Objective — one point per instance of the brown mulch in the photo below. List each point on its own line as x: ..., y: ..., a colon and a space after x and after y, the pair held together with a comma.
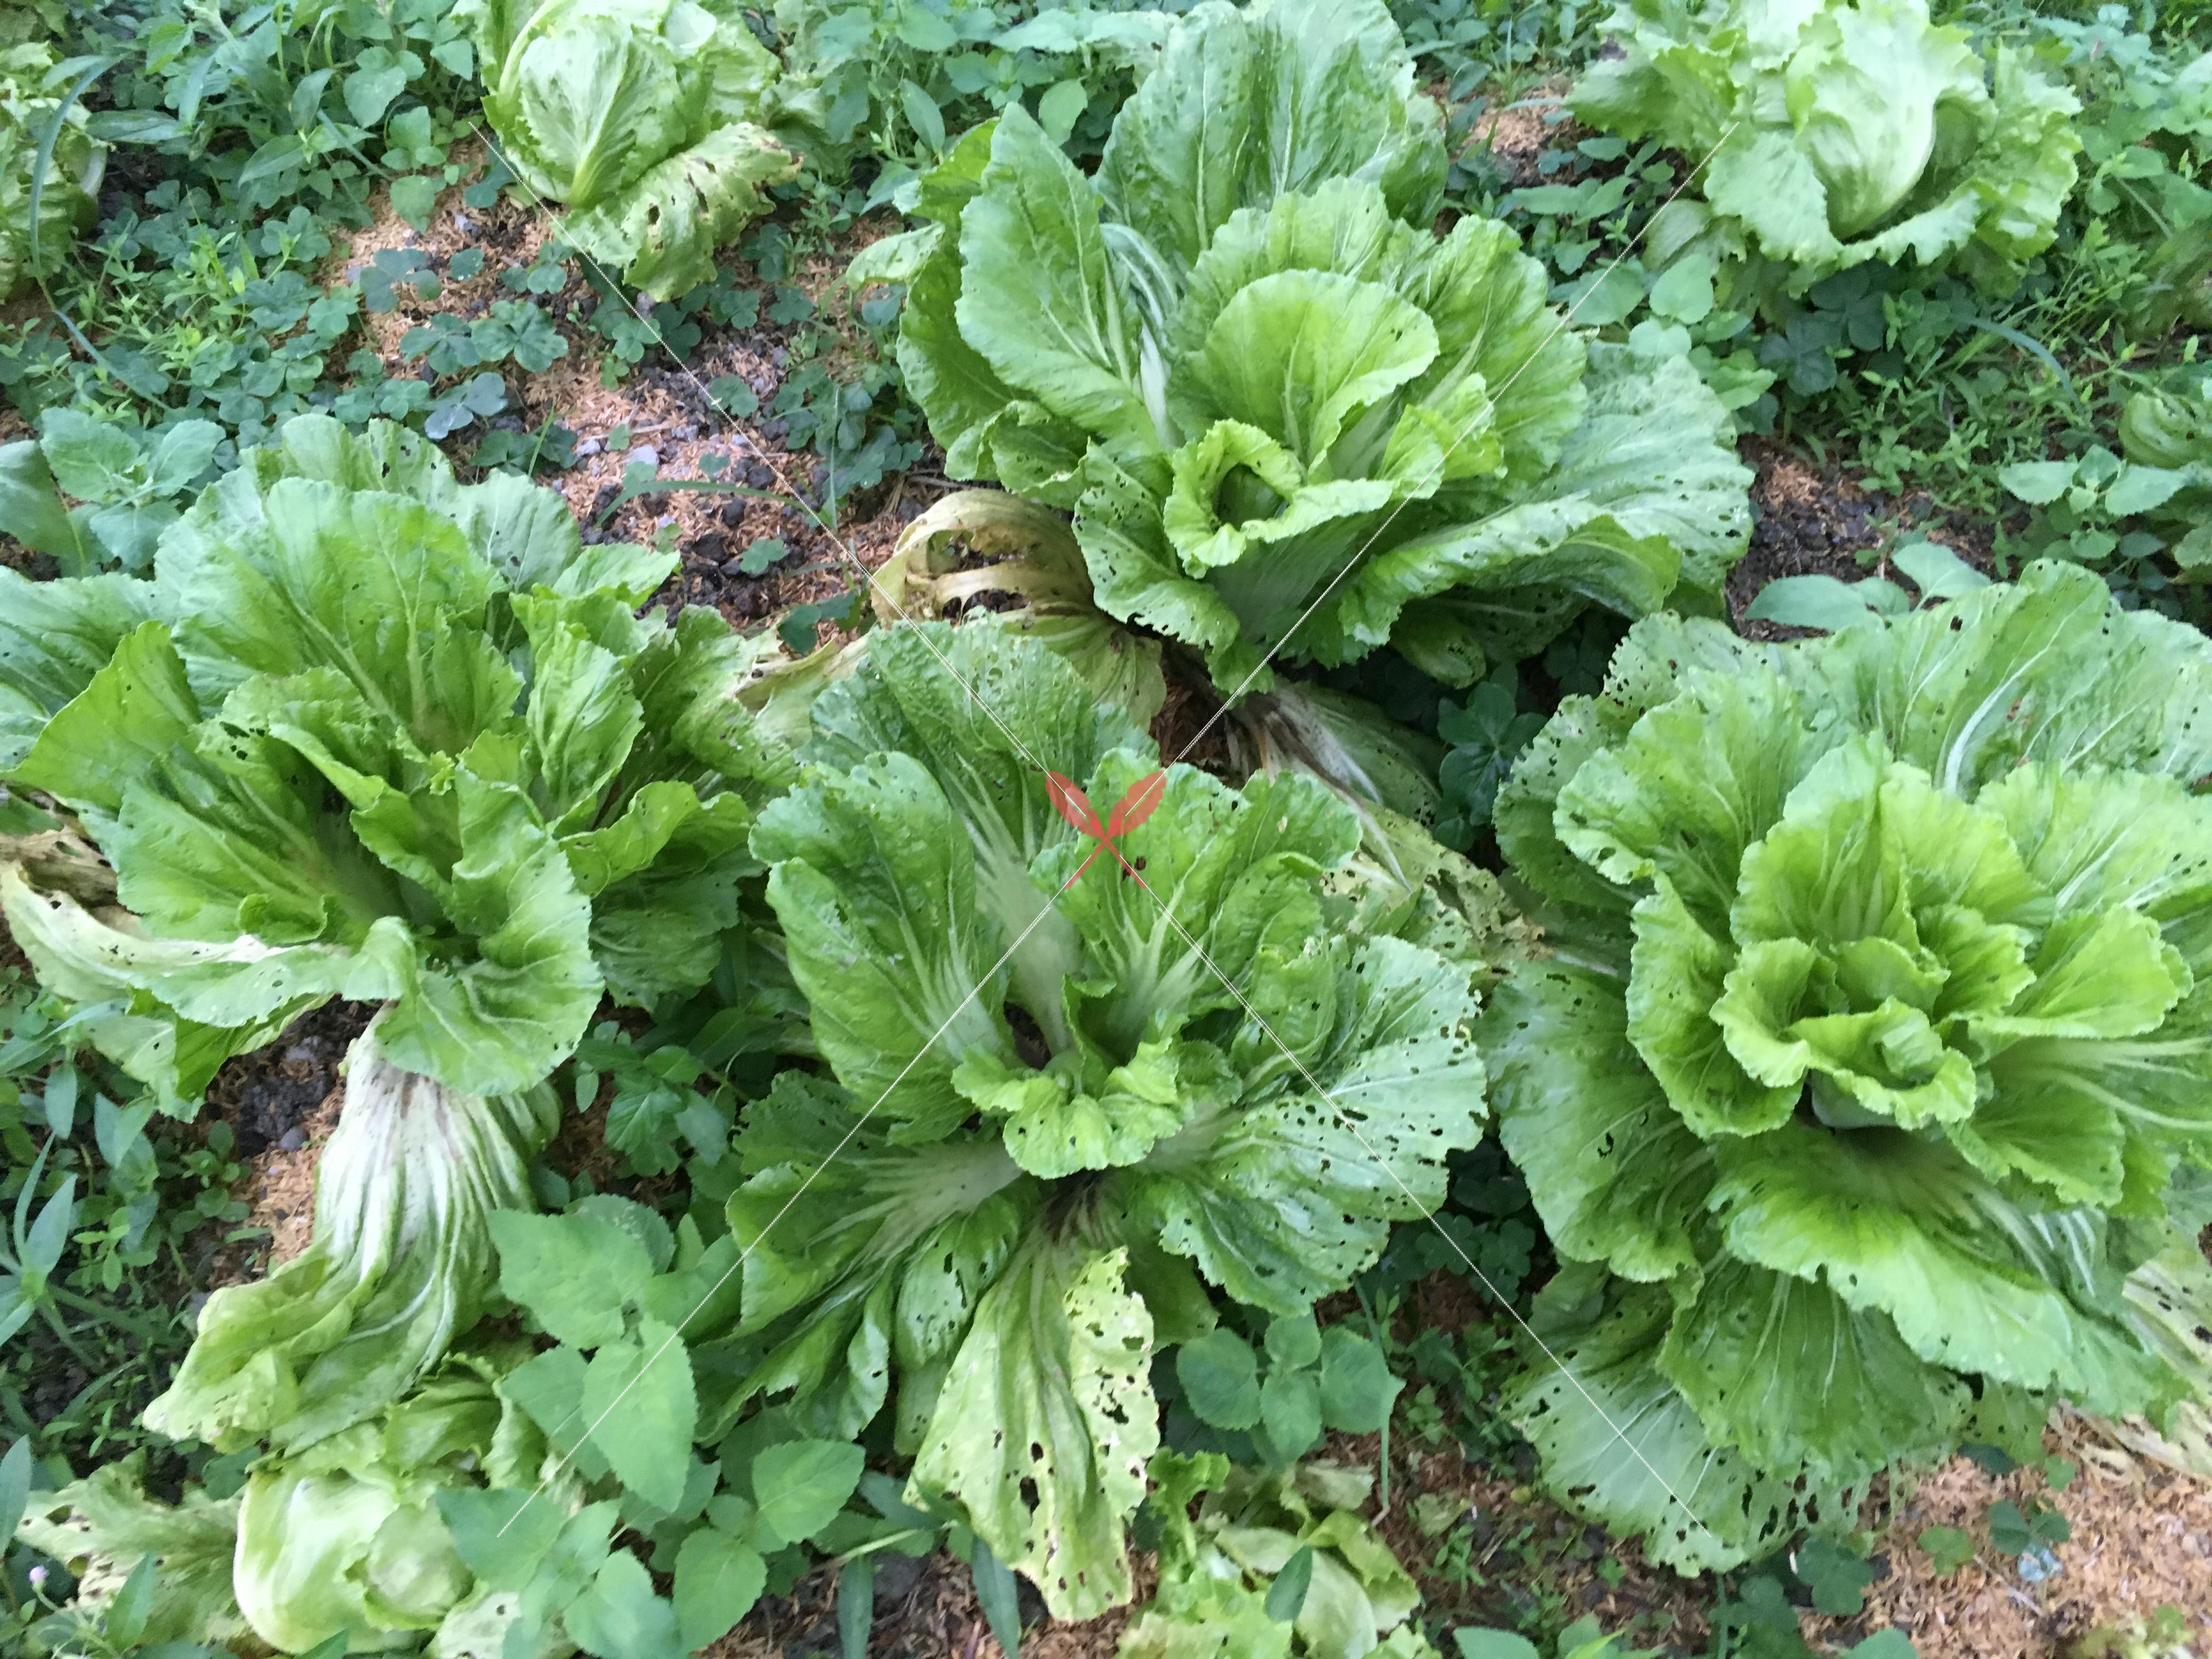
x: 1491, y: 1550
x: 280, y: 1186
x: 280, y: 1102
x: 1517, y: 134
x: 267, y: 1096
x: 2141, y: 1539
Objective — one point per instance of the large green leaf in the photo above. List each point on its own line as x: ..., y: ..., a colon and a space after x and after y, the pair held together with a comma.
x: 1046, y: 1422
x: 1894, y: 1222
x: 102, y: 1528
x: 662, y: 227
x: 378, y: 586
x: 1279, y: 1202
x: 989, y: 718
x: 1613, y: 1170
x: 1293, y: 92
x: 1787, y: 1369
x: 876, y: 887
x: 1624, y: 1447
x: 588, y: 100
x: 1877, y: 97
x: 855, y: 1247
x: 503, y: 1020
x: 54, y: 637
x: 1039, y: 298
x: 1302, y: 354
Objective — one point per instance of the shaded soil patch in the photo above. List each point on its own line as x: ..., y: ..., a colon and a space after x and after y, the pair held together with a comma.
x: 1805, y: 522
x: 267, y: 1095
x: 1812, y: 520
x: 923, y: 1608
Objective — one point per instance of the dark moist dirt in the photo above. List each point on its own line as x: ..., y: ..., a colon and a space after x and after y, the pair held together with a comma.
x: 923, y: 1608
x: 280, y: 1102
x: 267, y: 1096
x: 1186, y: 728
x: 1812, y: 520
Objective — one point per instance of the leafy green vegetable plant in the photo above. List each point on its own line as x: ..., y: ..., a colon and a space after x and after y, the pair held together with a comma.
x: 49, y: 161
x: 1487, y: 734
x: 340, y: 782
x: 1878, y: 1026
x: 126, y: 483
x: 343, y: 1541
x: 1287, y: 416
x: 639, y: 115
x: 1839, y: 133
x: 146, y: 1572
x: 1030, y: 1178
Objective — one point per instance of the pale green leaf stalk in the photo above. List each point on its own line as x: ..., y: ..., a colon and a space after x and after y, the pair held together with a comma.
x: 400, y: 1263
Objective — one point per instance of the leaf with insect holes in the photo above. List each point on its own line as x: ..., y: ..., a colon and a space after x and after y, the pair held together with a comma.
x: 930, y: 848
x: 1991, y: 795
x: 1139, y: 802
